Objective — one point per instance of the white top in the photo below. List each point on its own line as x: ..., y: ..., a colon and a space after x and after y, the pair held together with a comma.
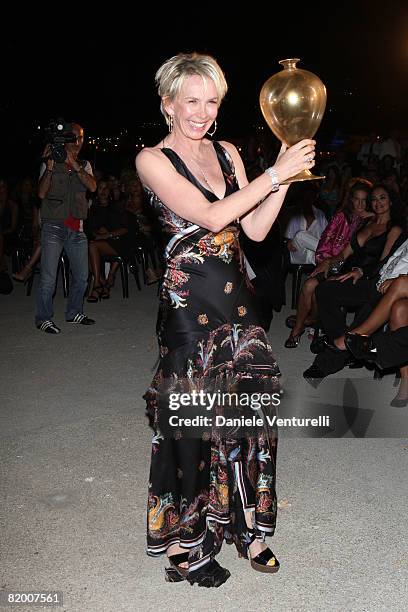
x: 397, y: 265
x: 298, y: 223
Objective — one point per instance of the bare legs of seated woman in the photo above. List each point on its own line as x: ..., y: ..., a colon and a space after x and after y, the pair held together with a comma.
x: 306, y: 312
x: 393, y: 308
x: 397, y: 290
x: 26, y: 272
x: 399, y: 318
x: 100, y: 288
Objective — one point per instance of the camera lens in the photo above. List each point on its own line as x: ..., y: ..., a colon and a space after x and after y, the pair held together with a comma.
x: 58, y: 153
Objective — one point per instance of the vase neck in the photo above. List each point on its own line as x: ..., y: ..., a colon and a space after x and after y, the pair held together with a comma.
x: 290, y: 64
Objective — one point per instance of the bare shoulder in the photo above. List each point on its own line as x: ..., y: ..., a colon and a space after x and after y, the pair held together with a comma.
x: 395, y: 231
x: 148, y: 153
x: 149, y: 158
x: 230, y: 148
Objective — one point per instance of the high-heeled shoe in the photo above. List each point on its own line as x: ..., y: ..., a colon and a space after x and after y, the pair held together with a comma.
x: 24, y: 275
x: 210, y: 575
x: 333, y: 347
x: 106, y: 286
x: 293, y: 340
x: 362, y: 347
x: 110, y: 282
x: 265, y: 561
x: 176, y: 573
x: 291, y: 322
x: 105, y: 293
x: 399, y: 403
x: 95, y: 295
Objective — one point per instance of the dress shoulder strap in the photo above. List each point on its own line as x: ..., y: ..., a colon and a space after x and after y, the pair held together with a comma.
x: 224, y: 158
x: 177, y: 162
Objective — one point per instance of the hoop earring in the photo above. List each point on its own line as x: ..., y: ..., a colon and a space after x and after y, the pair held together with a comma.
x: 171, y: 124
x: 214, y: 130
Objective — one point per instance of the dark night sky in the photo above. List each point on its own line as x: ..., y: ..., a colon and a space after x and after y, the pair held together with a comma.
x: 104, y: 74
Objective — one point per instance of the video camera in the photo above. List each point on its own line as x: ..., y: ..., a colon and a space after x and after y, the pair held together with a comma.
x: 58, y: 133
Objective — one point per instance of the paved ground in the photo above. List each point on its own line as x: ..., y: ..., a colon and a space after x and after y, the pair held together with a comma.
x: 75, y: 453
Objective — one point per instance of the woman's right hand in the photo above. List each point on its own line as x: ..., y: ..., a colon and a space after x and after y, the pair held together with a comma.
x: 383, y: 288
x: 295, y: 159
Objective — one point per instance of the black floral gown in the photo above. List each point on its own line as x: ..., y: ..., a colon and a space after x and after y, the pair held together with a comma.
x: 209, y: 338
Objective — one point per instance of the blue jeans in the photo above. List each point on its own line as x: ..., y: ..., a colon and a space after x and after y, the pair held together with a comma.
x: 55, y: 237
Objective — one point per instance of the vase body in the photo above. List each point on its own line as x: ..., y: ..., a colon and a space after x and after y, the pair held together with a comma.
x: 293, y: 102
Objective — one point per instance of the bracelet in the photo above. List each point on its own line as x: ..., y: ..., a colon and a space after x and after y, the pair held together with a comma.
x: 274, y: 178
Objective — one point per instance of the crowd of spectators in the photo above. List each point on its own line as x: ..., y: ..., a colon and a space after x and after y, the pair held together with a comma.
x: 343, y: 228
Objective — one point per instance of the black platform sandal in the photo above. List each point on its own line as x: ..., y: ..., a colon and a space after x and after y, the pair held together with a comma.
x: 265, y: 562
x: 175, y: 573
x: 293, y: 341
x: 210, y: 575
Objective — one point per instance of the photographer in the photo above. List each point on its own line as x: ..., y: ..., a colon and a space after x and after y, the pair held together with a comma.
x: 64, y: 180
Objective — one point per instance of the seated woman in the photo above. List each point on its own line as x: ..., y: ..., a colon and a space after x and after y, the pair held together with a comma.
x: 107, y: 232
x: 367, y: 251
x: 141, y: 231
x: 392, y: 308
x: 393, y: 290
x: 393, y: 281
x: 332, y: 242
x: 304, y: 230
x: 398, y: 320
x: 30, y: 231
x: 8, y: 222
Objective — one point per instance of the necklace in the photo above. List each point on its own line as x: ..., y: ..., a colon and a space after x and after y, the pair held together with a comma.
x: 202, y: 173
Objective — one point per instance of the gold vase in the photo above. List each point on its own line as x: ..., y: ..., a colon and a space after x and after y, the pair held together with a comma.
x: 293, y: 102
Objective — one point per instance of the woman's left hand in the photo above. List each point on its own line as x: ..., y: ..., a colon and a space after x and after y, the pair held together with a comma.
x: 354, y: 274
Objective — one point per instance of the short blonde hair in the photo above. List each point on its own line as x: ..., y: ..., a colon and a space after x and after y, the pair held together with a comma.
x: 172, y: 74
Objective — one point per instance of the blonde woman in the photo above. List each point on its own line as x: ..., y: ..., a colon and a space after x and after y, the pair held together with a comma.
x: 208, y: 488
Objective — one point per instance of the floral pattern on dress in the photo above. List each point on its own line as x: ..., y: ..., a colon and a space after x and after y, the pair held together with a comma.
x: 201, y: 485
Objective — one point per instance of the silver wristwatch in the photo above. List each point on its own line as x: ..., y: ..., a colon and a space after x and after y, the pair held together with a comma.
x: 274, y: 178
